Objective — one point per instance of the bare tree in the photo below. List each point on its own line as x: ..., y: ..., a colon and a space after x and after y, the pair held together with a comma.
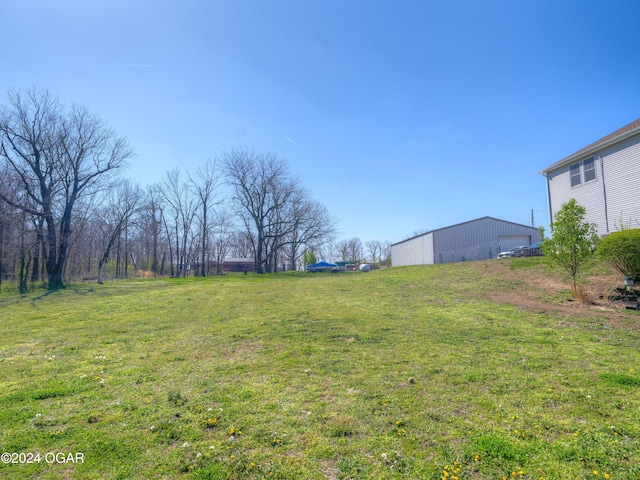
x: 349, y: 250
x: 221, y: 241
x: 113, y: 218
x: 204, y: 185
x: 386, y: 252
x: 9, y: 218
x: 374, y: 248
x: 311, y: 228
x: 256, y: 181
x: 241, y: 244
x: 59, y: 155
x: 182, y: 206
x: 152, y: 226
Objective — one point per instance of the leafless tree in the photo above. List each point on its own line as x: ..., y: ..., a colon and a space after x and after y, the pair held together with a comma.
x: 311, y: 227
x: 241, y: 244
x: 350, y: 250
x: 260, y: 188
x: 204, y: 184
x: 9, y: 219
x: 282, y: 219
x: 122, y: 203
x: 59, y: 155
x: 374, y: 248
x: 151, y: 228
x: 221, y: 238
x: 182, y: 208
x: 386, y: 252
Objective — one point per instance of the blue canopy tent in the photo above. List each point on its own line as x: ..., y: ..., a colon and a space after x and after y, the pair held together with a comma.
x: 322, y: 267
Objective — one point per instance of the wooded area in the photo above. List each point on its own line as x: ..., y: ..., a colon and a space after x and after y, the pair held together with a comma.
x: 68, y: 213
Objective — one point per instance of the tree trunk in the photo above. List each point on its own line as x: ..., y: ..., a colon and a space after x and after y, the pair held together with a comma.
x: 54, y: 272
x: 126, y: 250
x: 204, y: 238
x: 100, y: 270
x: 1, y: 250
x: 35, y: 273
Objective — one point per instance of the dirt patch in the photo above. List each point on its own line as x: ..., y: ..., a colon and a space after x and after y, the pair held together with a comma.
x: 538, y: 288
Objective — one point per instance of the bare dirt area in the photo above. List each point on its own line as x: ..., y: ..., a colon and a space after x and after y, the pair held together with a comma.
x: 539, y: 288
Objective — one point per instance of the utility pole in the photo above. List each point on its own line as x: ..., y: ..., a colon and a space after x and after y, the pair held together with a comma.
x: 533, y: 224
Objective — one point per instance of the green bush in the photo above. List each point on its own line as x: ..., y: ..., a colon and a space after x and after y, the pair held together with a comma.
x: 573, y: 240
x: 622, y: 250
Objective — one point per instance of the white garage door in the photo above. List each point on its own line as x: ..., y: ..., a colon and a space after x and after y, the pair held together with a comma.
x: 507, y: 242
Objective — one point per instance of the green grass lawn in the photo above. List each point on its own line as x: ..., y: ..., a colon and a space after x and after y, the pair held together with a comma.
x: 401, y: 373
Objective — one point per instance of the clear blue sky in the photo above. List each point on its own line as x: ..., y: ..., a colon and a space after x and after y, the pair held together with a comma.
x: 398, y: 115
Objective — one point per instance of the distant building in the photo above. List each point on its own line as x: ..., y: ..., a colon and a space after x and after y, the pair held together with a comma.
x: 478, y: 239
x: 603, y: 177
x: 239, y: 265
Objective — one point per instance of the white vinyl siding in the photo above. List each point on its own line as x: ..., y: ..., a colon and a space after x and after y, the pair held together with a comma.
x: 611, y: 189
x: 622, y: 178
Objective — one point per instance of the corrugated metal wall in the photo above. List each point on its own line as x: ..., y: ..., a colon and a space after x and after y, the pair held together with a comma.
x: 619, y: 167
x: 477, y: 239
x: 474, y: 240
x: 414, y: 251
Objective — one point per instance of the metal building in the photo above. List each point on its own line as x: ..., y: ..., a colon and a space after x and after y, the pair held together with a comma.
x: 478, y: 239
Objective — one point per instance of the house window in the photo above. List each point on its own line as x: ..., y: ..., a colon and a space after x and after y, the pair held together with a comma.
x: 589, y: 167
x: 575, y: 174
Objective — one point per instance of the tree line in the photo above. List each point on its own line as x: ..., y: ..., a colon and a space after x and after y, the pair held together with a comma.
x: 67, y: 212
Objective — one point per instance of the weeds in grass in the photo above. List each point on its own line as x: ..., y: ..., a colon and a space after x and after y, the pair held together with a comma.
x: 309, y: 380
x: 584, y: 295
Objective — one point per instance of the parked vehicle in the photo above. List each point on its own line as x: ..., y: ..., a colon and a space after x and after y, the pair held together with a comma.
x: 523, y: 251
x: 534, y: 250
x: 515, y: 252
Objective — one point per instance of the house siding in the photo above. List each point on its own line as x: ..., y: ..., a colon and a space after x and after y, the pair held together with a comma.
x: 613, y: 197
x: 622, y: 179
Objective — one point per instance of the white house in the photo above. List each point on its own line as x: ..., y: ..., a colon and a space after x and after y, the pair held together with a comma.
x: 603, y: 177
x: 478, y: 239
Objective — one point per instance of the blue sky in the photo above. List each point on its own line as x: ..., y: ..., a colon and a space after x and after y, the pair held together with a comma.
x: 398, y: 115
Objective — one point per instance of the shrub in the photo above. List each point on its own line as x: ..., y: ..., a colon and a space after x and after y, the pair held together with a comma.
x: 573, y: 240
x: 622, y: 250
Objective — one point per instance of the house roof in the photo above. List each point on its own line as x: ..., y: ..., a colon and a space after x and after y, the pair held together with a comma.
x: 623, y: 133
x: 463, y: 223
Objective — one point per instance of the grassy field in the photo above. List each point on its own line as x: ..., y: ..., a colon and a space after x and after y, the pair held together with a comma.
x: 418, y: 372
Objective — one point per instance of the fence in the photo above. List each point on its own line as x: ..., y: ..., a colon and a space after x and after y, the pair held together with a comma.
x: 483, y: 251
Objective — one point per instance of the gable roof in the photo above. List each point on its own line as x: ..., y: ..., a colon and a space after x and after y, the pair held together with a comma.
x: 463, y: 223
x: 623, y: 133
